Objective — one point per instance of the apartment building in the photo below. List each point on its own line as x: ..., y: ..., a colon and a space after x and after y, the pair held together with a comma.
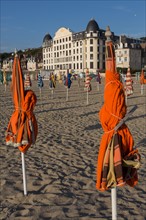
x: 75, y: 51
x: 128, y: 53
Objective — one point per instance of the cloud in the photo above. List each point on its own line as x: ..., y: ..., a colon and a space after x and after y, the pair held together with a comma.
x: 122, y: 8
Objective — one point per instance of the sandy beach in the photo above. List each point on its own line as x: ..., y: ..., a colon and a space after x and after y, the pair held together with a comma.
x: 61, y: 166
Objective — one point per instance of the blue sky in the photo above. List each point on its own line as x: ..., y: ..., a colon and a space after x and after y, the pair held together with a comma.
x: 25, y: 23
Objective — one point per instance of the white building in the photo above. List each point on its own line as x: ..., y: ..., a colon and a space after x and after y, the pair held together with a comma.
x: 31, y: 65
x: 7, y: 64
x: 128, y: 53
x: 77, y: 51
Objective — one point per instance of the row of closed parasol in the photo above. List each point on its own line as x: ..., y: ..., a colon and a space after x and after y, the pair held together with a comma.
x: 118, y: 161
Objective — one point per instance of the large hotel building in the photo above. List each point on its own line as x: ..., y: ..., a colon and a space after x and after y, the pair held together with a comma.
x: 75, y: 51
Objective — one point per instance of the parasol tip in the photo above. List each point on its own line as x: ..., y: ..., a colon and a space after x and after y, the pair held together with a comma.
x: 108, y: 33
x: 16, y: 55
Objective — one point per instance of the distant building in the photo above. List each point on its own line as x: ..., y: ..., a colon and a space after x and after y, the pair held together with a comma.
x: 77, y: 51
x: 31, y: 64
x: 143, y: 61
x: 7, y: 64
x: 128, y: 53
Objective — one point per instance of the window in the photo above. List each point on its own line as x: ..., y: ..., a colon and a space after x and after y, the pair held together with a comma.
x: 91, y: 56
x: 80, y: 50
x: 91, y: 65
x: 77, y: 43
x: 80, y: 65
x: 91, y: 49
x: 69, y: 65
x: 91, y: 41
x: 125, y: 59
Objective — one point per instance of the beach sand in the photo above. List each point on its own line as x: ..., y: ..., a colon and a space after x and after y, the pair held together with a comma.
x: 61, y: 166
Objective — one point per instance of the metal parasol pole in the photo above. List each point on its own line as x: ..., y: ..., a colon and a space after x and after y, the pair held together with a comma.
x: 52, y: 93
x: 24, y: 173
x: 97, y: 86
x: 142, y: 89
x: 114, y: 203
x: 67, y: 94
x: 87, y: 97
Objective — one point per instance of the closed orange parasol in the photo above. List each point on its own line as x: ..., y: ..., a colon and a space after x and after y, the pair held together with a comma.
x: 142, y: 79
x: 120, y: 141
x: 117, y: 160
x: 22, y: 128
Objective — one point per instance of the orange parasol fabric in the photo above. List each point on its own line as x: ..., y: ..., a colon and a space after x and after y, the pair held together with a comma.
x: 142, y: 79
x: 22, y: 128
x: 120, y: 142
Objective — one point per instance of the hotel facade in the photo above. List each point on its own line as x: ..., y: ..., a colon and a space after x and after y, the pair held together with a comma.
x: 75, y: 51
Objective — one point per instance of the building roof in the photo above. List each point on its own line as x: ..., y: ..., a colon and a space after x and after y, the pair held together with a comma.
x: 92, y: 26
x: 47, y: 38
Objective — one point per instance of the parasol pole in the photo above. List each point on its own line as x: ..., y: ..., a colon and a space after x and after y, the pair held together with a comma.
x: 52, y: 91
x: 97, y: 86
x: 24, y: 173
x: 87, y: 97
x: 40, y: 93
x: 114, y: 203
x: 67, y: 94
x: 142, y: 89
